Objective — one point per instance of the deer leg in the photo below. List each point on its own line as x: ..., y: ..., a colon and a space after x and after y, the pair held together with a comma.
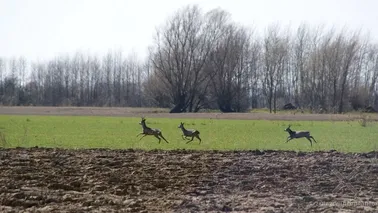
x: 288, y: 139
x: 161, y: 135
x: 156, y: 136
x: 308, y: 138
x: 142, y: 137
x: 190, y: 140
x: 197, y: 136
x: 313, y: 139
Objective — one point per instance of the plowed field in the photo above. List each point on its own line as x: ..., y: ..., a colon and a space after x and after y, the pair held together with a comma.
x: 51, y: 180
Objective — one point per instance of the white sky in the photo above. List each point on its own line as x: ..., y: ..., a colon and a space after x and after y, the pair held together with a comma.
x: 42, y: 29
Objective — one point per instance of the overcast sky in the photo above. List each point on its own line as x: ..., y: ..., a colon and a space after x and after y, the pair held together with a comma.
x: 42, y: 29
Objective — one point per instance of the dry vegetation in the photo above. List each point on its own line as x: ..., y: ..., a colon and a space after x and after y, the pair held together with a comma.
x: 163, y: 113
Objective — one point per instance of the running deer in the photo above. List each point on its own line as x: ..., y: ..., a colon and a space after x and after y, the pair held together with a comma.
x: 149, y: 131
x: 299, y: 134
x: 189, y: 133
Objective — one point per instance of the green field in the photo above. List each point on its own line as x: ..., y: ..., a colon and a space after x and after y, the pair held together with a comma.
x: 120, y: 133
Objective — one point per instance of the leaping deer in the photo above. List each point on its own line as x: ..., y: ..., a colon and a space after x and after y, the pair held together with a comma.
x: 149, y: 131
x: 189, y: 133
x: 298, y: 134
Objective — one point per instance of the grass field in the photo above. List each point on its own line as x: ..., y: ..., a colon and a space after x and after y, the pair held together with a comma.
x: 135, y: 180
x: 220, y: 134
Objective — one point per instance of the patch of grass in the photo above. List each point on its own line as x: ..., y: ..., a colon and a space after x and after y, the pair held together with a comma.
x: 120, y: 133
x: 3, y: 140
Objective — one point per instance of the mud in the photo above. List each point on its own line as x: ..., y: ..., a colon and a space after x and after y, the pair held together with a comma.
x: 101, y: 180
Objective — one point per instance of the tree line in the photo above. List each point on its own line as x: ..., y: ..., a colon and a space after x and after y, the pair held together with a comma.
x: 205, y: 60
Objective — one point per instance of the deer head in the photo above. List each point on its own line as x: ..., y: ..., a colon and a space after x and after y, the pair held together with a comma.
x: 288, y: 129
x: 142, y: 121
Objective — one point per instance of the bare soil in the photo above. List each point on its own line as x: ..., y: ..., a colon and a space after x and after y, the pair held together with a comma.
x: 56, y: 180
x: 101, y: 180
x: 163, y: 113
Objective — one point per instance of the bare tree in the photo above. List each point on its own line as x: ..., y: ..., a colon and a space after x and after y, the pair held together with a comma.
x: 227, y: 65
x: 108, y: 67
x: 180, y: 52
x: 350, y: 50
x: 2, y: 72
x: 95, y: 82
x: 371, y: 75
x: 254, y: 65
x: 275, y: 55
x: 301, y: 55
